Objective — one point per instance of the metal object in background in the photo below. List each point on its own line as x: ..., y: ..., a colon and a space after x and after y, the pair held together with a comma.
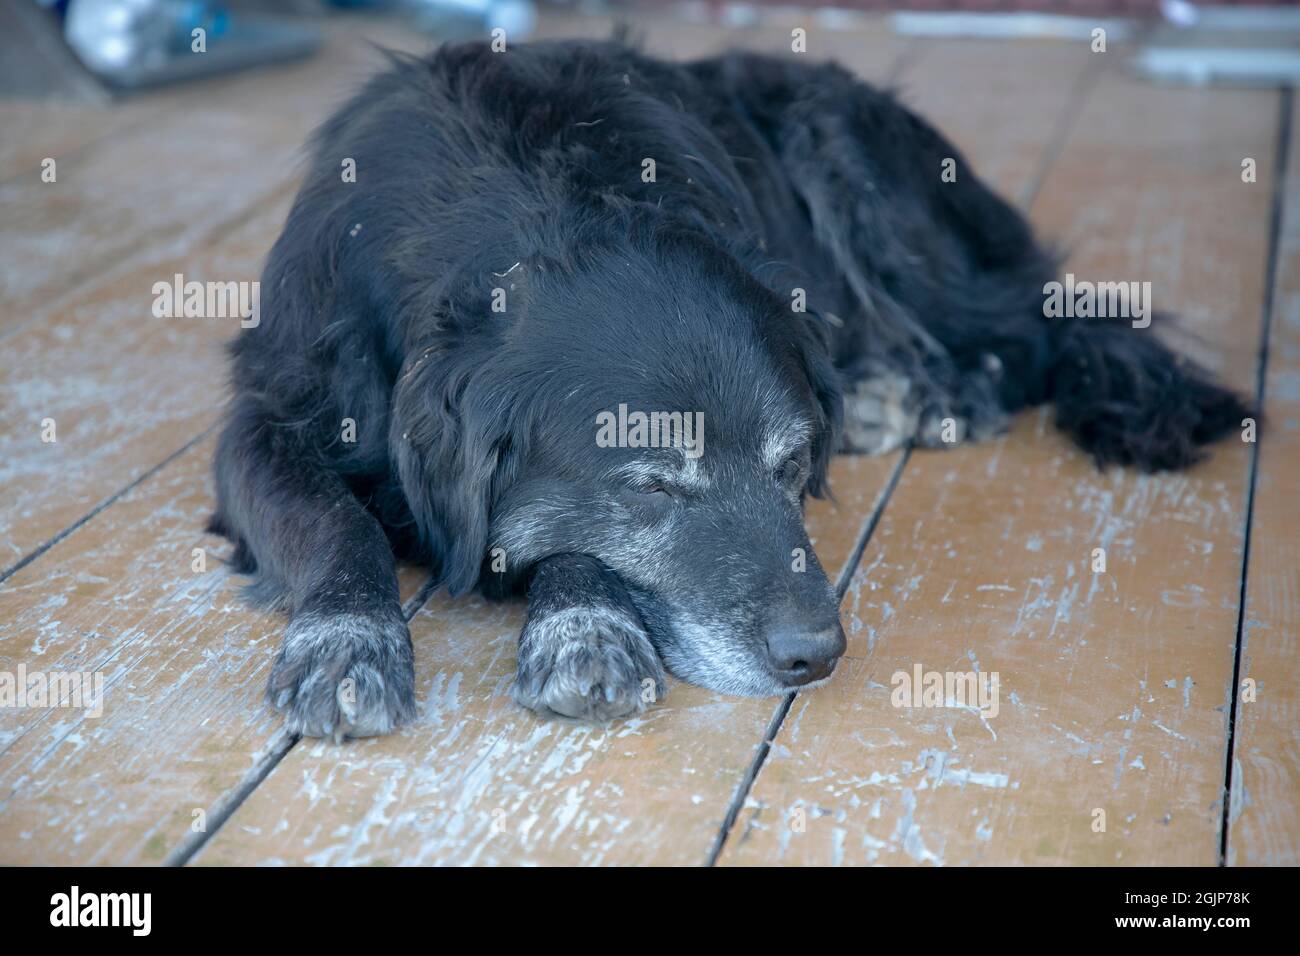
x: 1231, y: 46
x: 112, y: 35
x: 449, y: 18
x: 135, y: 43
x: 1010, y: 26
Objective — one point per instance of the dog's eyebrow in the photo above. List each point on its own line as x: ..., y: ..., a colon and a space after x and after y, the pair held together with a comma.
x: 785, y: 440
x: 674, y: 465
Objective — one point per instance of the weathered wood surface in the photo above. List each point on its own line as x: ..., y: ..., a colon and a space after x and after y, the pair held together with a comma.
x: 183, y: 663
x: 187, y: 166
x: 479, y: 780
x: 35, y: 131
x: 979, y: 550
x: 1264, y: 814
x: 124, y: 389
x: 1113, y: 687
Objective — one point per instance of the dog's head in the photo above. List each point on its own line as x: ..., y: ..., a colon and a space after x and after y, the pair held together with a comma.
x: 660, y: 411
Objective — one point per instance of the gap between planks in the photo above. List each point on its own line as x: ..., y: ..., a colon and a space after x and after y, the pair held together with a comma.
x: 783, y: 706
x: 75, y: 526
x: 1281, y: 156
x: 264, y: 762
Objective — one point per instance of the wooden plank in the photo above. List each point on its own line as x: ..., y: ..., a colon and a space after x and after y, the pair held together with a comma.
x: 183, y: 664
x: 1003, y: 147
x: 478, y: 780
x: 209, y: 154
x: 123, y: 388
x: 1112, y: 686
x: 34, y: 131
x: 166, y: 379
x: 1264, y: 820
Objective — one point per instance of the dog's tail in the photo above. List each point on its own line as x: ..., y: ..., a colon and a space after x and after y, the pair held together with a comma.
x: 1129, y: 400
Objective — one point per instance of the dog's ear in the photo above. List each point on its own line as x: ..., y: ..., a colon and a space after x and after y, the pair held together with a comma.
x: 455, y: 452
x: 813, y: 345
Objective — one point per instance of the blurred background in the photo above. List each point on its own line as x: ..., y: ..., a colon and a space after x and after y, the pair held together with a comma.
x: 96, y: 49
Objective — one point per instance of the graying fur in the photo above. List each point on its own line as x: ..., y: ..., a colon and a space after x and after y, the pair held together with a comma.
x: 321, y: 653
x: 591, y: 663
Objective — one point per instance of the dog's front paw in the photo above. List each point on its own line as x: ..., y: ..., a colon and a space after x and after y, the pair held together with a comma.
x: 344, y: 675
x: 593, y: 663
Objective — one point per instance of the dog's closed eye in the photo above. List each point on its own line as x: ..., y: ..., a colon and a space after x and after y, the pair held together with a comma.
x: 654, y: 495
x: 793, y: 472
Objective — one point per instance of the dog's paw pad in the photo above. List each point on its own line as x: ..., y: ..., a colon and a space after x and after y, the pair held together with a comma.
x: 590, y: 663
x: 344, y: 675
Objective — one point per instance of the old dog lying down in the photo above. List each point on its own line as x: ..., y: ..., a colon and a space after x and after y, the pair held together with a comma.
x: 460, y: 344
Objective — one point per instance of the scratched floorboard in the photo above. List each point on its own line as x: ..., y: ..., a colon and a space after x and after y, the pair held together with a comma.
x: 161, y: 176
x: 183, y: 663
x: 1113, y: 686
x: 124, y: 389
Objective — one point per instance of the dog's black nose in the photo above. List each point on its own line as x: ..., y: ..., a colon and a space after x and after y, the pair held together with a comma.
x: 800, y: 656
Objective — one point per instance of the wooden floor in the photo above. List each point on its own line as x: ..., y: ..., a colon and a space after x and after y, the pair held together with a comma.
x: 1145, y: 692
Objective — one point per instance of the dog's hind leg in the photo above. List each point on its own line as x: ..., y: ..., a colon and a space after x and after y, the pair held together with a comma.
x: 936, y: 263
x: 936, y: 282
x: 345, y: 668
x: 584, y: 651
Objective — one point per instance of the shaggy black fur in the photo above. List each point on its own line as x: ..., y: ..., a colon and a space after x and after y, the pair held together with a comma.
x: 523, y: 172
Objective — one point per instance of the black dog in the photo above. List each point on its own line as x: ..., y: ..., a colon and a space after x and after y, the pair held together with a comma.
x: 543, y: 250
